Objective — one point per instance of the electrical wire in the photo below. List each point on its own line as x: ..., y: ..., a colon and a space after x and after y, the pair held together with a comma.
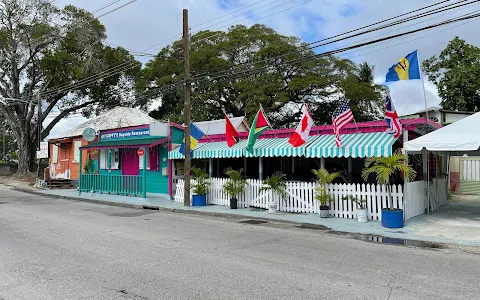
x: 329, y: 39
x: 86, y: 82
x: 126, y: 66
x: 340, y: 50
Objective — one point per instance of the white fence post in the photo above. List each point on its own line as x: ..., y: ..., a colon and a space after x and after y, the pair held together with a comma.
x: 301, y: 197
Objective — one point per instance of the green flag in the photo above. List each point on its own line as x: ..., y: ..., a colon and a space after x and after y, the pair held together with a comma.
x: 259, y: 125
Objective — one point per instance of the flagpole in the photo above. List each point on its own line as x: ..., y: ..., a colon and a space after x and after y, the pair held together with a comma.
x: 423, y: 82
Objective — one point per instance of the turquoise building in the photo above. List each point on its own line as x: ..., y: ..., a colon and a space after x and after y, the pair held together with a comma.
x: 130, y: 161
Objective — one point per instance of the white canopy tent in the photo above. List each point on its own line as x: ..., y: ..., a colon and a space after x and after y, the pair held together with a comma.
x: 459, y: 137
x: 463, y: 135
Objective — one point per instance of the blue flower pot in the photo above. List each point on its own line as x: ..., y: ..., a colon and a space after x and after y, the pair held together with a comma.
x: 392, y: 218
x: 199, y: 200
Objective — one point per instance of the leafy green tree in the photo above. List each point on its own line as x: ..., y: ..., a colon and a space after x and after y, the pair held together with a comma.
x: 53, y: 53
x: 456, y: 73
x: 246, y: 66
x: 365, y: 97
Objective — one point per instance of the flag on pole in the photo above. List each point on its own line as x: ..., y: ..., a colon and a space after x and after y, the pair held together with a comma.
x: 230, y: 132
x: 407, y: 68
x: 259, y: 125
x: 300, y: 136
x: 341, y: 117
x: 195, y: 135
x: 394, y: 125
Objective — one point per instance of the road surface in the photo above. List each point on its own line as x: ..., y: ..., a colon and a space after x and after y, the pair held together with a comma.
x: 62, y: 249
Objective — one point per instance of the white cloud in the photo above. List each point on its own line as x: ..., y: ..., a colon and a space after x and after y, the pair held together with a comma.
x: 148, y: 22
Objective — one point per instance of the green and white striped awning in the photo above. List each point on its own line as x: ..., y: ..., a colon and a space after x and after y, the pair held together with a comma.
x: 353, y: 145
x: 263, y: 148
x: 213, y: 150
x: 279, y: 147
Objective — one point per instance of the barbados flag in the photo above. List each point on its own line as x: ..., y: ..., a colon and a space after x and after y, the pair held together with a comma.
x: 195, y: 135
x: 406, y: 69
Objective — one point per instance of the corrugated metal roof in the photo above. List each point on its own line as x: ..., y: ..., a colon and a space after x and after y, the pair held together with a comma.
x: 118, y: 117
x: 218, y: 126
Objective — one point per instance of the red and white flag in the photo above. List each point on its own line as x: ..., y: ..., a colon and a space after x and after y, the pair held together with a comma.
x: 341, y: 117
x: 230, y: 132
x: 394, y: 125
x: 300, y: 136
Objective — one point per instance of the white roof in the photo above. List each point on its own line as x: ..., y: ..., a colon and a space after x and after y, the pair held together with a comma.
x: 463, y: 135
x: 432, y: 108
x: 118, y: 117
x: 218, y: 126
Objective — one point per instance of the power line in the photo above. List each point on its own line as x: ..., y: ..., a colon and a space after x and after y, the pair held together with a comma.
x: 106, y: 6
x: 125, y: 67
x: 340, y: 50
x: 310, y: 45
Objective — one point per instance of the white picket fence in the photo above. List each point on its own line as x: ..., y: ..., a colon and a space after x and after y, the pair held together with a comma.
x: 416, y: 196
x: 301, y: 197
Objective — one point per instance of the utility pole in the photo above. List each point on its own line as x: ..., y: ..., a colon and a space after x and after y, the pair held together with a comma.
x: 186, y: 107
x: 3, y: 139
x: 39, y: 130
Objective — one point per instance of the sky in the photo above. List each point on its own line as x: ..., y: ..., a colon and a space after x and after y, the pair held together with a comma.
x: 148, y: 25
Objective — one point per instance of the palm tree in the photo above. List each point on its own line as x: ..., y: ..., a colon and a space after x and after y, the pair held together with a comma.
x: 385, y: 167
x: 275, y: 183
x: 324, y: 178
x: 365, y: 73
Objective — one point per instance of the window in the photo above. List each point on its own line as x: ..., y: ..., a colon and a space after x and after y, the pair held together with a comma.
x: 103, y: 159
x: 55, y: 154
x: 76, y: 151
x: 114, y: 159
x: 152, y: 159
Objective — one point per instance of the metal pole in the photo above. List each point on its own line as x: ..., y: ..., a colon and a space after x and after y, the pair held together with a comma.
x: 39, y: 131
x: 405, y: 178
x: 260, y: 168
x: 423, y: 82
x: 210, y: 167
x: 80, y: 174
x: 349, y: 168
x: 186, y: 108
x: 144, y: 172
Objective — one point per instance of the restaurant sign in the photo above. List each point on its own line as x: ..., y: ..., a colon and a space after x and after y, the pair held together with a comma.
x: 123, y: 134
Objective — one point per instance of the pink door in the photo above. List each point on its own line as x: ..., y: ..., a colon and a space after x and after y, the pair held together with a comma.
x: 129, y: 161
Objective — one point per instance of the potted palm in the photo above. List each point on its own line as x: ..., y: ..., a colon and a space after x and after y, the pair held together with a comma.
x: 384, y: 168
x: 362, y: 212
x: 235, y: 186
x: 200, y: 187
x: 276, y: 184
x: 324, y: 178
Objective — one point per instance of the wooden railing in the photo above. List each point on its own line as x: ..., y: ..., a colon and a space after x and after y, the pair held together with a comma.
x: 112, y: 184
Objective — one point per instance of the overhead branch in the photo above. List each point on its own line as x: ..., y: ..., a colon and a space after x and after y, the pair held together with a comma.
x: 63, y: 114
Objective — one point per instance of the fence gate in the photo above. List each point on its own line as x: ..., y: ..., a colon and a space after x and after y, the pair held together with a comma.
x: 470, y: 175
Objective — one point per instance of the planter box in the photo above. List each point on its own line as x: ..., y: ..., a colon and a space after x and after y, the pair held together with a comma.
x: 392, y: 218
x: 199, y: 200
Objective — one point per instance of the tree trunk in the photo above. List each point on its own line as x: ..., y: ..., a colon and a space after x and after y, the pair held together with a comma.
x: 26, y: 155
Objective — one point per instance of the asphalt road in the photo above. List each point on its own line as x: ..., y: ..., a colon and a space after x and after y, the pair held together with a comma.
x: 61, y: 249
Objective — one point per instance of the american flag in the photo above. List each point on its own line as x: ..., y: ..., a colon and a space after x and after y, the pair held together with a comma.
x: 394, y: 126
x: 341, y: 117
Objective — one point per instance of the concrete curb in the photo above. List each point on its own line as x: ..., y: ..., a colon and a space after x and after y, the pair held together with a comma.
x: 440, y: 245
x: 173, y: 210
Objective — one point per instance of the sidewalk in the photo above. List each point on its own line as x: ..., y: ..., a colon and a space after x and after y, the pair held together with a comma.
x: 419, y: 228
